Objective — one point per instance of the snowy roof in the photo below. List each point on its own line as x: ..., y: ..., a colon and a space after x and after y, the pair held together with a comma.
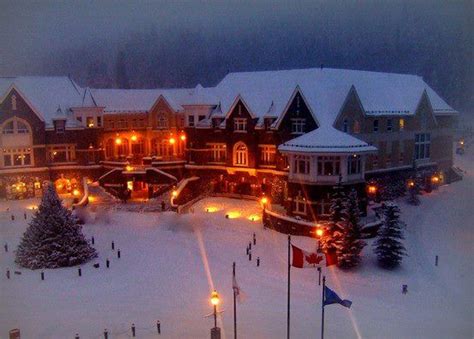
x: 47, y: 94
x: 326, y: 140
x: 267, y: 93
x: 142, y: 100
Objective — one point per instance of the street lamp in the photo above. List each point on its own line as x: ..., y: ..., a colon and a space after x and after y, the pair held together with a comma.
x: 215, y: 301
x: 319, y: 232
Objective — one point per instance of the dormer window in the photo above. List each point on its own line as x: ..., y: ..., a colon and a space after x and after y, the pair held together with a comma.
x: 240, y: 124
x: 59, y: 126
x: 298, y: 125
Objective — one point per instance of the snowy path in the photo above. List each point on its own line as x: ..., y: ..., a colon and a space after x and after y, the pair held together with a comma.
x: 170, y: 264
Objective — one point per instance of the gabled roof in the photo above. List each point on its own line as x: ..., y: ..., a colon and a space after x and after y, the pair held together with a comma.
x: 142, y: 100
x: 45, y: 94
x: 326, y: 139
x: 325, y: 91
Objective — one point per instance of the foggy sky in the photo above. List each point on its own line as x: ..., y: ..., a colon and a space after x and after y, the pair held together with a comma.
x: 182, y: 43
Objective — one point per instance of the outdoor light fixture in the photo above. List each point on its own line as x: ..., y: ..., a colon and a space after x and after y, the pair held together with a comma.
x: 319, y: 232
x: 372, y: 189
x: 435, y: 179
x: 129, y: 168
x: 215, y: 298
x: 264, y: 201
x: 411, y: 183
x: 76, y: 193
x: 174, y: 193
x: 118, y: 141
x: 172, y: 141
x: 134, y: 138
x: 183, y: 137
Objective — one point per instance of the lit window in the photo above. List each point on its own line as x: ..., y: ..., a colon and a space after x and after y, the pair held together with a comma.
x: 17, y: 157
x: 267, y: 155
x: 401, y: 124
x: 240, y: 154
x: 328, y: 165
x: 240, y: 124
x: 218, y: 152
x: 298, y: 125
x: 422, y: 146
x: 90, y: 122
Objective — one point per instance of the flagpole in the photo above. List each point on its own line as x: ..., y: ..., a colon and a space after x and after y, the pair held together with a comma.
x: 235, y: 305
x: 322, y: 308
x: 288, y: 309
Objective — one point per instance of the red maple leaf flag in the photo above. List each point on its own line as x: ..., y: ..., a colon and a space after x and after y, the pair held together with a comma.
x: 303, y: 259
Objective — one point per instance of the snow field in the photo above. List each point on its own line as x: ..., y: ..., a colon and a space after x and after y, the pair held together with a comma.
x: 170, y: 264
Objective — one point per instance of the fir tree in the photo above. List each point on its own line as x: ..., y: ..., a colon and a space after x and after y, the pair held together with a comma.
x: 348, y: 243
x: 53, y: 238
x: 388, y: 246
x: 336, y: 212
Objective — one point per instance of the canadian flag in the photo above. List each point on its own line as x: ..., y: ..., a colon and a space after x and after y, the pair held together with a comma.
x: 302, y: 259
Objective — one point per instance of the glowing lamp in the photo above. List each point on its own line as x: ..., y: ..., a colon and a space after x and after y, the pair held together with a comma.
x: 172, y: 141
x: 411, y: 183
x: 118, y: 141
x: 372, y: 189
x: 134, y: 137
x: 91, y: 124
x: 319, y: 232
x: 129, y: 168
x: 215, y: 298
x: 174, y: 193
x: 461, y: 142
x: 182, y: 137
x: 435, y: 179
x: 264, y: 200
x: 75, y: 193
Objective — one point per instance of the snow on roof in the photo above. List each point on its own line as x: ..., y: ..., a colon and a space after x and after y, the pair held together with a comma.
x: 46, y: 94
x: 142, y: 100
x: 325, y: 91
x: 326, y: 140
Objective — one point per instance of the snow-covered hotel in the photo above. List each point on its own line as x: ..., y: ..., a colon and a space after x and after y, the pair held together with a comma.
x: 291, y: 134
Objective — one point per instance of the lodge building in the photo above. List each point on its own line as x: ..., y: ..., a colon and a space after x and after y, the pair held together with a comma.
x: 291, y: 135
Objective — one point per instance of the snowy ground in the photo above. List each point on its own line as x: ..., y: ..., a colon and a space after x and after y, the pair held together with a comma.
x: 170, y: 264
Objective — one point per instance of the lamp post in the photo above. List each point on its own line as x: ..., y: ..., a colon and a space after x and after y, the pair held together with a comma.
x: 216, y: 331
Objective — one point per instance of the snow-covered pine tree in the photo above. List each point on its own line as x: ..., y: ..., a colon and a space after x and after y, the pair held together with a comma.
x: 53, y: 238
x: 333, y: 230
x: 388, y: 247
x: 349, y: 243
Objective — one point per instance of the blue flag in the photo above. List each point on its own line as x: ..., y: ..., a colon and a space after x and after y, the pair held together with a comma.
x: 330, y: 297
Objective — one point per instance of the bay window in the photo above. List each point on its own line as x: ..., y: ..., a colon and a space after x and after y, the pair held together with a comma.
x: 329, y: 165
x: 302, y: 164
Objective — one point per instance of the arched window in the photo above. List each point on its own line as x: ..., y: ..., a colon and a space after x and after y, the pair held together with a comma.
x: 240, y: 154
x: 16, y: 126
x: 16, y: 143
x: 109, y: 148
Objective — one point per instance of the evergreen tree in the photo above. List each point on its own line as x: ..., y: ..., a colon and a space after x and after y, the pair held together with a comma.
x: 388, y: 246
x: 349, y: 243
x: 333, y: 230
x: 53, y: 238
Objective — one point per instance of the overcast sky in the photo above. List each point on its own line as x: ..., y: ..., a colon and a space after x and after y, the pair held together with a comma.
x: 180, y: 43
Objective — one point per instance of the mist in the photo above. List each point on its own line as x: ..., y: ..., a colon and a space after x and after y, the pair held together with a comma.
x: 183, y: 43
